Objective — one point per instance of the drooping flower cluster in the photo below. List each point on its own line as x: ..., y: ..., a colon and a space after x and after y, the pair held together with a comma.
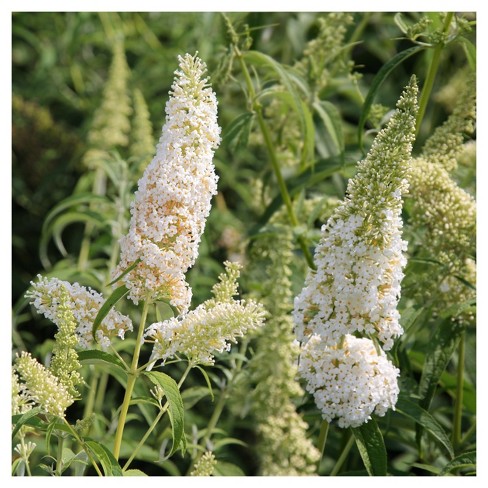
x: 172, y: 202
x: 321, y: 60
x: 282, y: 444
x: 356, y: 286
x: 43, y: 387
x: 84, y: 303
x: 349, y: 381
x: 212, y: 327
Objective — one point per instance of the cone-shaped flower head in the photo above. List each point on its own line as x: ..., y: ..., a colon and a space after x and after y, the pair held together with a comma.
x: 359, y: 258
x: 42, y: 386
x: 349, y: 382
x: 172, y: 202
x: 84, y: 304
x: 111, y: 125
x: 212, y: 327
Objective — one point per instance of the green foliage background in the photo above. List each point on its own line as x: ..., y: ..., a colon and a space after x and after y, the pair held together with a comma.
x: 60, y: 64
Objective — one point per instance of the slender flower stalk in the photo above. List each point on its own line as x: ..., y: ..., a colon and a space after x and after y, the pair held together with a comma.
x: 131, y: 381
x: 173, y: 198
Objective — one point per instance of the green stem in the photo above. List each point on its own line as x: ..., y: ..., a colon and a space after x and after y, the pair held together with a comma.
x: 59, y: 461
x: 99, y: 188
x: 91, y: 393
x: 102, y: 386
x: 343, y: 456
x: 434, y: 66
x: 164, y: 408
x: 458, y: 409
x: 220, y: 404
x: 131, y: 380
x: 273, y: 158
x: 84, y: 446
x: 26, y: 458
x: 324, y: 430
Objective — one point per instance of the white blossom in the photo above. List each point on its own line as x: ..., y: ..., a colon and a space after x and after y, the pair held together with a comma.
x: 359, y: 260
x: 349, y: 382
x: 47, y: 296
x: 203, y: 331
x: 172, y: 202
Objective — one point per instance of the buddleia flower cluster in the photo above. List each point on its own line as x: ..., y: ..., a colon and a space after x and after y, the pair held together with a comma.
x: 442, y: 208
x: 111, y: 125
x: 205, y: 465
x: 321, y: 58
x: 283, y: 446
x: 41, y: 386
x: 172, y: 201
x: 142, y: 141
x: 84, y: 303
x: 211, y: 327
x: 355, y: 288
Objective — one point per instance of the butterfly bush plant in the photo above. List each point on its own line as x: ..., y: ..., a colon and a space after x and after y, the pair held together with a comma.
x: 283, y: 285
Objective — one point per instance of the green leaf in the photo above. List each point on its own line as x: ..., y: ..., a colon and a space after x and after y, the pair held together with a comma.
x: 439, y: 352
x: 308, y: 178
x: 469, y: 50
x: 378, y: 80
x: 109, y: 464
x: 289, y: 82
x: 331, y: 118
x: 19, y: 421
x: 59, y: 224
x: 238, y: 130
x: 371, y: 446
x: 191, y: 396
x: 127, y: 270
x: 415, y: 412
x: 207, y: 379
x: 176, y: 408
x: 93, y: 356
x: 465, y: 460
x: 117, y: 294
x: 134, y: 472
x: 223, y: 468
x: 72, y: 201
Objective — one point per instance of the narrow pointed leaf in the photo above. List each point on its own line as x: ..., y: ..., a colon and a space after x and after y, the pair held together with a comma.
x: 415, y: 412
x: 465, y: 460
x: 109, y: 464
x: 117, y: 294
x: 20, y: 421
x: 378, y: 80
x: 371, y: 446
x: 176, y: 408
x: 93, y: 356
